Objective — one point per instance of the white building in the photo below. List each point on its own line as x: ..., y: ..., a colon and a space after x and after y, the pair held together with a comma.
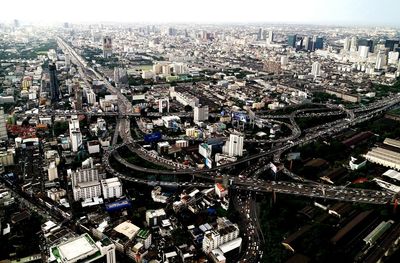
x: 226, y: 231
x: 112, y: 188
x: 234, y: 146
x: 393, y: 57
x: 75, y: 134
x: 380, y: 60
x: 82, y: 249
x: 52, y: 171
x: 363, y: 51
x: 85, y: 183
x: 200, y: 113
x: 316, y: 69
x: 346, y: 44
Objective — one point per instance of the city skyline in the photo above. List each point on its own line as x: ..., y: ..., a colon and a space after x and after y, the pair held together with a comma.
x: 254, y: 11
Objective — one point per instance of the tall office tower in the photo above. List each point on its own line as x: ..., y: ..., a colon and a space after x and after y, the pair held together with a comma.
x: 107, y: 46
x: 391, y: 44
x: 172, y: 31
x: 260, y: 34
x: 54, y: 89
x: 380, y: 60
x: 234, y: 146
x: 363, y: 51
x: 306, y: 43
x: 292, y: 40
x: 366, y: 42
x: 3, y: 127
x: 346, y: 44
x: 78, y: 96
x: 200, y: 113
x: 75, y: 134
x: 317, y: 43
x: 353, y: 44
x: 316, y: 69
x: 270, y: 37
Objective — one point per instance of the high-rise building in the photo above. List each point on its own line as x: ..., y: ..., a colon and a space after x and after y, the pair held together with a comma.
x: 200, y: 113
x: 54, y: 89
x: 353, y: 44
x: 292, y: 40
x: 317, y: 43
x: 380, y: 60
x: 107, y: 47
x: 78, y: 96
x: 391, y: 44
x: 363, y: 51
x: 316, y: 69
x: 346, y: 44
x: 270, y: 37
x: 172, y: 31
x: 306, y: 43
x: 234, y: 146
x: 85, y: 183
x: 368, y: 43
x: 3, y: 126
x: 393, y: 57
x: 75, y: 134
x: 112, y: 188
x: 260, y: 34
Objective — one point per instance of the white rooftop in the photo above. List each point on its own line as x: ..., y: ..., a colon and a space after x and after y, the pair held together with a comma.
x: 77, y: 248
x: 392, y: 174
x: 231, y: 245
x: 127, y: 229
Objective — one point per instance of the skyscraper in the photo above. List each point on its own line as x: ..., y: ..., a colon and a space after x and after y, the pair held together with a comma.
x: 234, y: 146
x: 353, y: 44
x: 380, y: 60
x: 292, y: 40
x: 3, y: 127
x: 368, y: 43
x: 316, y: 69
x: 270, y: 37
x: 306, y: 43
x: 363, y: 51
x: 54, y: 89
x: 260, y: 34
x: 391, y: 44
x: 75, y: 134
x: 107, y: 46
x: 317, y: 43
x: 200, y: 113
x: 346, y: 44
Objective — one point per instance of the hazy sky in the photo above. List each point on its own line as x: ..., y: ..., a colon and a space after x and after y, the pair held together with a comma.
x: 370, y: 12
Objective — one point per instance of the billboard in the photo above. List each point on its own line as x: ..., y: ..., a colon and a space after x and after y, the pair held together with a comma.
x: 118, y: 205
x: 153, y: 137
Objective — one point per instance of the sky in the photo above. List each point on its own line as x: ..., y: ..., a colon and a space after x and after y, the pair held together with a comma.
x: 348, y: 12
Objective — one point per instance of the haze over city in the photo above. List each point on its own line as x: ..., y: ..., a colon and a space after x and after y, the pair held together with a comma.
x: 342, y: 12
